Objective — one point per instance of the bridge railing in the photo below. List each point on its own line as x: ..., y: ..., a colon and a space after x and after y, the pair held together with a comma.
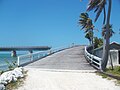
x: 23, y: 59
x: 94, y: 60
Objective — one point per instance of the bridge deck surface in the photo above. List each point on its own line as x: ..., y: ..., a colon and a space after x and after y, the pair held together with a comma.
x: 65, y: 70
x: 70, y: 59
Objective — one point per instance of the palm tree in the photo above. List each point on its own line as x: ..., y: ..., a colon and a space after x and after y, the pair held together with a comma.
x: 87, y: 25
x: 88, y: 35
x: 98, y: 42
x: 104, y: 31
x: 99, y: 6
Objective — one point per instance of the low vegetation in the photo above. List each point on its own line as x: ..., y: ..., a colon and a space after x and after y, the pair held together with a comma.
x: 115, y: 71
x: 111, y: 74
x: 11, y: 65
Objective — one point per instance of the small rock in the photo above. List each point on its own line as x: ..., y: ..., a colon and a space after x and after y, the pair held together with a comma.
x: 7, y: 77
x: 3, y: 81
x: 2, y: 87
x: 18, y: 73
x: 11, y: 76
x: 19, y: 69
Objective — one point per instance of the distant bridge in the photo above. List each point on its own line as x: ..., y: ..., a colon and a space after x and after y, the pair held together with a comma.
x: 24, y: 48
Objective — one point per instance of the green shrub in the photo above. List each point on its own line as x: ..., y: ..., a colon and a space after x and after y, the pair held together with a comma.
x: 11, y: 65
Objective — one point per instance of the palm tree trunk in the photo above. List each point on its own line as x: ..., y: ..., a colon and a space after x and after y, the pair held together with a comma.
x: 111, y: 62
x: 90, y: 42
x: 93, y: 42
x: 107, y: 39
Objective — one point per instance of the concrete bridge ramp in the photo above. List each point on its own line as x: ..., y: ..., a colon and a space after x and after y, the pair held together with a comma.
x: 69, y: 59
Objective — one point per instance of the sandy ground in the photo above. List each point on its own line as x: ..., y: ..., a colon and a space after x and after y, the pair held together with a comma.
x: 46, y: 79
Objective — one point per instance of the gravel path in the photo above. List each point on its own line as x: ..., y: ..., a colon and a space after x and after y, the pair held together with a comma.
x: 65, y: 70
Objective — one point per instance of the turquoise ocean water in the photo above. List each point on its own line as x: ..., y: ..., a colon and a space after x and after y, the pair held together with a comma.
x: 4, y: 58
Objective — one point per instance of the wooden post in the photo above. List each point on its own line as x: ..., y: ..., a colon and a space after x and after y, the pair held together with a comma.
x: 31, y: 56
x: 18, y: 61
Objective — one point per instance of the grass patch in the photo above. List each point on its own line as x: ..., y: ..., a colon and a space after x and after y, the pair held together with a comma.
x: 15, y: 85
x: 18, y: 83
x: 101, y: 74
x: 115, y: 71
x: 117, y: 82
x: 112, y: 72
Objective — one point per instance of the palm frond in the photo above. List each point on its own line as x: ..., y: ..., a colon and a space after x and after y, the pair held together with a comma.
x: 97, y: 6
x: 85, y: 22
x: 104, y: 16
x: 110, y: 29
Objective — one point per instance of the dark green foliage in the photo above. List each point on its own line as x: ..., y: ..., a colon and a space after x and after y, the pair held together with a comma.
x: 104, y: 31
x: 87, y: 25
x: 98, y: 6
x: 89, y: 36
x: 86, y: 22
x: 98, y: 42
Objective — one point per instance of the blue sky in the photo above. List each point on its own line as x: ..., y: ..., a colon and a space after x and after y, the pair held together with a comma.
x: 47, y: 22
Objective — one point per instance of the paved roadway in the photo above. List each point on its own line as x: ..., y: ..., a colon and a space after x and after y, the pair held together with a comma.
x: 65, y: 70
x: 69, y: 59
